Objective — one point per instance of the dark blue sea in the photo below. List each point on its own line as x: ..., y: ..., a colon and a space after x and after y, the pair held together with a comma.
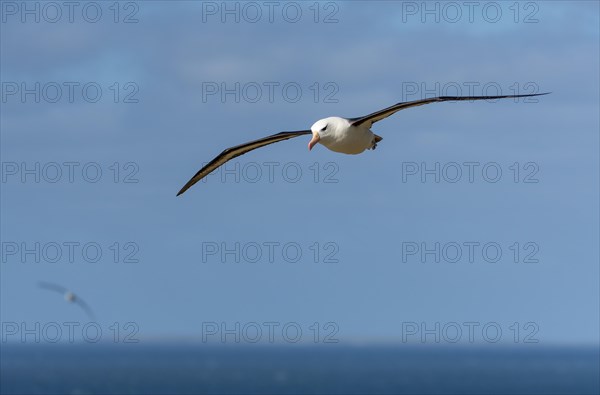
x: 193, y: 368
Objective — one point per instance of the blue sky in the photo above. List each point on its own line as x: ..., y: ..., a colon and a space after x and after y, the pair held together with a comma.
x: 358, y: 210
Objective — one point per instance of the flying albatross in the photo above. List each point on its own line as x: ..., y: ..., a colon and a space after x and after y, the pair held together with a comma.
x: 345, y: 135
x: 69, y: 296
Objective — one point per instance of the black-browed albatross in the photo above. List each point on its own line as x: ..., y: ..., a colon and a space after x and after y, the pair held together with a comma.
x: 345, y: 135
x: 69, y: 296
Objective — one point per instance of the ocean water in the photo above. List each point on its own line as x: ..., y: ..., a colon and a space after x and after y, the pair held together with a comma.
x: 194, y: 368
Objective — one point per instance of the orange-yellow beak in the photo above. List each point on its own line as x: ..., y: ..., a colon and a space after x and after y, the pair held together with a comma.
x: 314, y: 141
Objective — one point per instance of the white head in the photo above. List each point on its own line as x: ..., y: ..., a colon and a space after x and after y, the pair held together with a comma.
x: 320, y: 129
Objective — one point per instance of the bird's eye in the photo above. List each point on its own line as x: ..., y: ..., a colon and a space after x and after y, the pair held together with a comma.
x: 324, y: 128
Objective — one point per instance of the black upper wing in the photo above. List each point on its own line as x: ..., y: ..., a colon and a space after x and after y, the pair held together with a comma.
x: 238, y: 150
x: 386, y: 112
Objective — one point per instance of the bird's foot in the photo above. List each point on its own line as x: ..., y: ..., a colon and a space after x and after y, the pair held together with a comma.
x: 376, y: 139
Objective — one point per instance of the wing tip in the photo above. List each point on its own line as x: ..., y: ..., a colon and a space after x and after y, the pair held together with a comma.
x: 535, y: 94
x: 187, y: 186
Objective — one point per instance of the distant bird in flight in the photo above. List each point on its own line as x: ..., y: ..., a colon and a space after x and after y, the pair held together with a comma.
x: 69, y: 297
x: 345, y: 135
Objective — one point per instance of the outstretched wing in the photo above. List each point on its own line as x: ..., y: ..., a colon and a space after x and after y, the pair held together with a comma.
x: 386, y: 112
x: 85, y: 308
x: 238, y: 150
x: 52, y: 287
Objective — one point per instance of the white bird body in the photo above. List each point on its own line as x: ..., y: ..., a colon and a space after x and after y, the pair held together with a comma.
x: 343, y: 137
